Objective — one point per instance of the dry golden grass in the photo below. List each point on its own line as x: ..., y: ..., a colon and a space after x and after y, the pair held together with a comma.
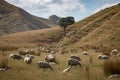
x: 88, y: 71
x: 112, y: 66
x: 30, y: 38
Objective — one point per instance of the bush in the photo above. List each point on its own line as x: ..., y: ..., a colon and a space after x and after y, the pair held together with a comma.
x: 112, y: 66
x: 3, y: 62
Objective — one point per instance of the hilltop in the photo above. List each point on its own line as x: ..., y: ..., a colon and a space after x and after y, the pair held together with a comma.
x: 98, y: 30
x: 14, y: 19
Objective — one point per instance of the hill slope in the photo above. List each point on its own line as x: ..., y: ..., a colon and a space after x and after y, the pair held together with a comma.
x: 100, y: 29
x: 14, y: 19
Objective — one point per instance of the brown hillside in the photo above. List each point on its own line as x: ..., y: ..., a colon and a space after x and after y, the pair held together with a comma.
x: 102, y: 28
x: 98, y: 30
x: 14, y: 19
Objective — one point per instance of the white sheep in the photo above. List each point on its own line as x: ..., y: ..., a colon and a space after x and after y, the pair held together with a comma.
x: 28, y: 58
x: 50, y: 58
x: 67, y: 69
x: 15, y: 56
x: 85, y: 53
x: 44, y: 65
x: 114, y: 52
x: 103, y: 57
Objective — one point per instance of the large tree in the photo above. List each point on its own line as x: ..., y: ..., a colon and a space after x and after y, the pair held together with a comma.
x: 54, y: 18
x: 64, y: 22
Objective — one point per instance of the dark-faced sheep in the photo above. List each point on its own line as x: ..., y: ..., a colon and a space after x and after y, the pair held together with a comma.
x: 73, y: 62
x: 15, y: 56
x: 44, y: 65
x: 75, y: 57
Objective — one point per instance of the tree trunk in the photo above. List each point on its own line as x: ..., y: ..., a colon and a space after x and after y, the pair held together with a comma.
x: 64, y: 31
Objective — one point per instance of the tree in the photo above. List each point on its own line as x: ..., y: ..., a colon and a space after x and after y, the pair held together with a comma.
x: 64, y: 22
x: 54, y: 18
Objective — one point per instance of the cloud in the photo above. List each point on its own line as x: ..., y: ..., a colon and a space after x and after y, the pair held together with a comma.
x: 104, y: 6
x: 45, y: 8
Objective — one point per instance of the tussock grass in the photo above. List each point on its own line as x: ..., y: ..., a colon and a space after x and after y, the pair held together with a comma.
x: 112, y: 66
x: 3, y: 61
x: 88, y: 71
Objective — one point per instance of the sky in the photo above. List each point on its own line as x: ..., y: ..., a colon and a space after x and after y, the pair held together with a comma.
x: 79, y: 9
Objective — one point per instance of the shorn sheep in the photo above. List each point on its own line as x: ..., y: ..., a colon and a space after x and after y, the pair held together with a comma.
x: 73, y: 62
x: 75, y: 57
x: 103, y: 57
x: 114, y: 52
x: 51, y: 58
x: 15, y: 56
x: 28, y: 58
x: 85, y: 53
x: 44, y: 65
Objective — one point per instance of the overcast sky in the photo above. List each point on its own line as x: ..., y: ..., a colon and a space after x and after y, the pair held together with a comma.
x: 79, y: 9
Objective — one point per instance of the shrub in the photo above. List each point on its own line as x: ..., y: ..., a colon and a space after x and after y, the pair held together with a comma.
x: 112, y: 66
x: 3, y: 62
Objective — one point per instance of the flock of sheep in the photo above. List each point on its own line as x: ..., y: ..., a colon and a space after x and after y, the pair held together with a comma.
x: 50, y: 58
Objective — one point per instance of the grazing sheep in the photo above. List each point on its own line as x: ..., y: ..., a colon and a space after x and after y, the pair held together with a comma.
x: 52, y: 52
x: 103, y: 57
x: 44, y: 65
x: 15, y: 56
x: 114, y: 52
x: 75, y: 57
x: 67, y: 69
x: 85, y: 53
x: 50, y: 58
x: 73, y: 62
x: 28, y: 58
x: 114, y: 76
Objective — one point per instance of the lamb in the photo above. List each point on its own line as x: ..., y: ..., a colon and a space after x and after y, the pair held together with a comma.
x: 50, y: 58
x: 28, y: 59
x: 75, y: 57
x: 15, y: 56
x: 73, y: 62
x: 44, y: 65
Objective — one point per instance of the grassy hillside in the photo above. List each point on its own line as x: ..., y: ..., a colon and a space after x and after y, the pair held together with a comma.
x: 102, y: 28
x: 14, y: 19
x: 30, y: 38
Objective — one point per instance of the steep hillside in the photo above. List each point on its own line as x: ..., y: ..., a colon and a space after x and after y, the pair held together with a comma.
x: 102, y: 28
x: 14, y: 19
x: 98, y: 30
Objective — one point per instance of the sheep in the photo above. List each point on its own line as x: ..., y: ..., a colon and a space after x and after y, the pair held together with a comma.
x: 114, y: 76
x: 85, y: 53
x: 67, y: 69
x: 75, y: 57
x: 114, y: 52
x: 52, y: 52
x: 44, y: 65
x: 28, y: 59
x: 73, y: 62
x: 15, y: 56
x: 50, y: 58
x: 103, y: 57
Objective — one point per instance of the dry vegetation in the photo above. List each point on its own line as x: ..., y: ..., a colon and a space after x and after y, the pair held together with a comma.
x: 112, y: 66
x: 99, y: 33
x: 89, y: 70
